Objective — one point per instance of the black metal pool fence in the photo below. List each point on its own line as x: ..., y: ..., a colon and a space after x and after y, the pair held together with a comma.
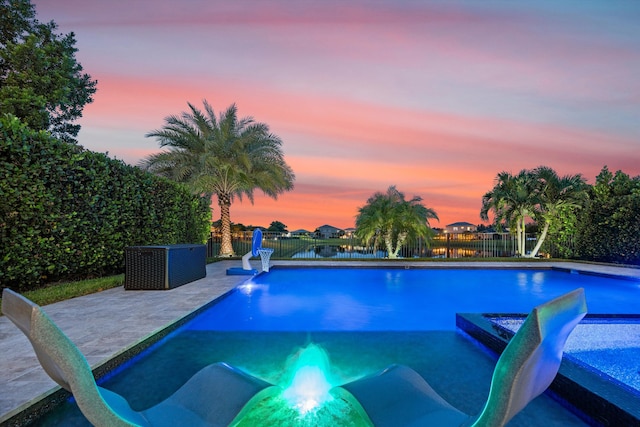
x: 443, y: 245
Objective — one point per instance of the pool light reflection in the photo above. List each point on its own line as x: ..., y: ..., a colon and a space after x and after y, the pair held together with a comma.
x: 250, y: 288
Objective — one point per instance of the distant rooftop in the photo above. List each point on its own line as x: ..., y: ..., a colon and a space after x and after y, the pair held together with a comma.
x: 461, y: 224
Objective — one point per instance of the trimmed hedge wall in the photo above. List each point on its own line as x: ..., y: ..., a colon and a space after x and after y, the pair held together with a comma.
x: 67, y: 213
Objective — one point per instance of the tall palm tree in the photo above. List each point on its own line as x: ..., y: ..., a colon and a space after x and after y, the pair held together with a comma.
x: 391, y: 218
x: 223, y: 156
x: 513, y: 200
x: 555, y: 193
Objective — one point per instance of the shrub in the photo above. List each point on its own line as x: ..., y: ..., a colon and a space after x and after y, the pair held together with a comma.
x: 67, y: 212
x: 608, y: 228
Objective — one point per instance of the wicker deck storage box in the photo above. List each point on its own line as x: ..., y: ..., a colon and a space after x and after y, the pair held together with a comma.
x: 163, y: 267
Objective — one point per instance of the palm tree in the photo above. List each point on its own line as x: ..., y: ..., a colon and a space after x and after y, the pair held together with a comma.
x: 393, y: 219
x: 555, y: 194
x: 224, y: 155
x: 513, y: 200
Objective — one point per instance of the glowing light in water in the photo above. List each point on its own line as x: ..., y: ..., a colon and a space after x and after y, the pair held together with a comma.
x: 309, y: 387
x: 308, y: 390
x: 305, y: 397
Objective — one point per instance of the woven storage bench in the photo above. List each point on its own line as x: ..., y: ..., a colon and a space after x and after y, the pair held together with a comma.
x: 163, y: 267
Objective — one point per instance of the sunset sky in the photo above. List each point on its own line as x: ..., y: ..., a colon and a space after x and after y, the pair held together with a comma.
x: 435, y: 97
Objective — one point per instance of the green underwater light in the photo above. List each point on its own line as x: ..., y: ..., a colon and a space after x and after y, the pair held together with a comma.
x: 309, y: 386
x: 309, y: 389
x: 305, y: 397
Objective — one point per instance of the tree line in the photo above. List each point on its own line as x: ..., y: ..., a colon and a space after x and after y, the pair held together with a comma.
x: 599, y: 222
x: 603, y: 219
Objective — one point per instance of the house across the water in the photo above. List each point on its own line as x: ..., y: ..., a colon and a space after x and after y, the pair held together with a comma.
x: 461, y: 227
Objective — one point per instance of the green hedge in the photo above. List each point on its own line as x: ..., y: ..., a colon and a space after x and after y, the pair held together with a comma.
x: 608, y: 229
x: 67, y: 213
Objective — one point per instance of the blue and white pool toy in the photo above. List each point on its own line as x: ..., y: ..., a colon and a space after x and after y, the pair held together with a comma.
x: 256, y: 249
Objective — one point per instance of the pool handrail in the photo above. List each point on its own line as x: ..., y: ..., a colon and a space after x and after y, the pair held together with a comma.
x: 211, y: 397
x: 398, y: 395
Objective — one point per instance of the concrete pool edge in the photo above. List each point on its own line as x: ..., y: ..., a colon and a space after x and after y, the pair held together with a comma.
x: 597, y: 400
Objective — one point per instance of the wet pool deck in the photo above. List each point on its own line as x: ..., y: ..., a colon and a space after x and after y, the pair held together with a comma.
x: 105, y: 324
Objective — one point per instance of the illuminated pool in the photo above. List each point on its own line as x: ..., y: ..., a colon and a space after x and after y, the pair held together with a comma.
x: 294, y: 327
x: 325, y: 299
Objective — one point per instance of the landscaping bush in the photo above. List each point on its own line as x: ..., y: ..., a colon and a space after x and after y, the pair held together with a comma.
x: 66, y: 212
x: 608, y: 228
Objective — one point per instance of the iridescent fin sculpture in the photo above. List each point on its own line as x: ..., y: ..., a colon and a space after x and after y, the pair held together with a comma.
x: 400, y: 396
x: 212, y: 397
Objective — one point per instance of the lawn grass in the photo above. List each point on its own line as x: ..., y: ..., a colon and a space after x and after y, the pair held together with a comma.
x: 68, y: 290
x: 64, y: 291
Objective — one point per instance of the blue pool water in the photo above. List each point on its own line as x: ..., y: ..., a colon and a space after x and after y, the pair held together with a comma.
x: 365, y: 319
x: 323, y: 299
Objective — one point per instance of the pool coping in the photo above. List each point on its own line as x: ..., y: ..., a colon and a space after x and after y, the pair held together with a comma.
x: 44, y: 401
x: 624, y: 272
x: 584, y: 390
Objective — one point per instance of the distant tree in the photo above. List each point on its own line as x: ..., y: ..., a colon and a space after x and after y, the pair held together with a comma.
x: 512, y: 200
x: 607, y: 229
x: 224, y: 155
x: 389, y: 218
x: 483, y: 228
x: 278, y: 227
x: 40, y: 80
x: 235, y: 227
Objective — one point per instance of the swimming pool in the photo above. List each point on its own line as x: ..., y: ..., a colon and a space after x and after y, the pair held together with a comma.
x: 365, y: 319
x: 370, y: 299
